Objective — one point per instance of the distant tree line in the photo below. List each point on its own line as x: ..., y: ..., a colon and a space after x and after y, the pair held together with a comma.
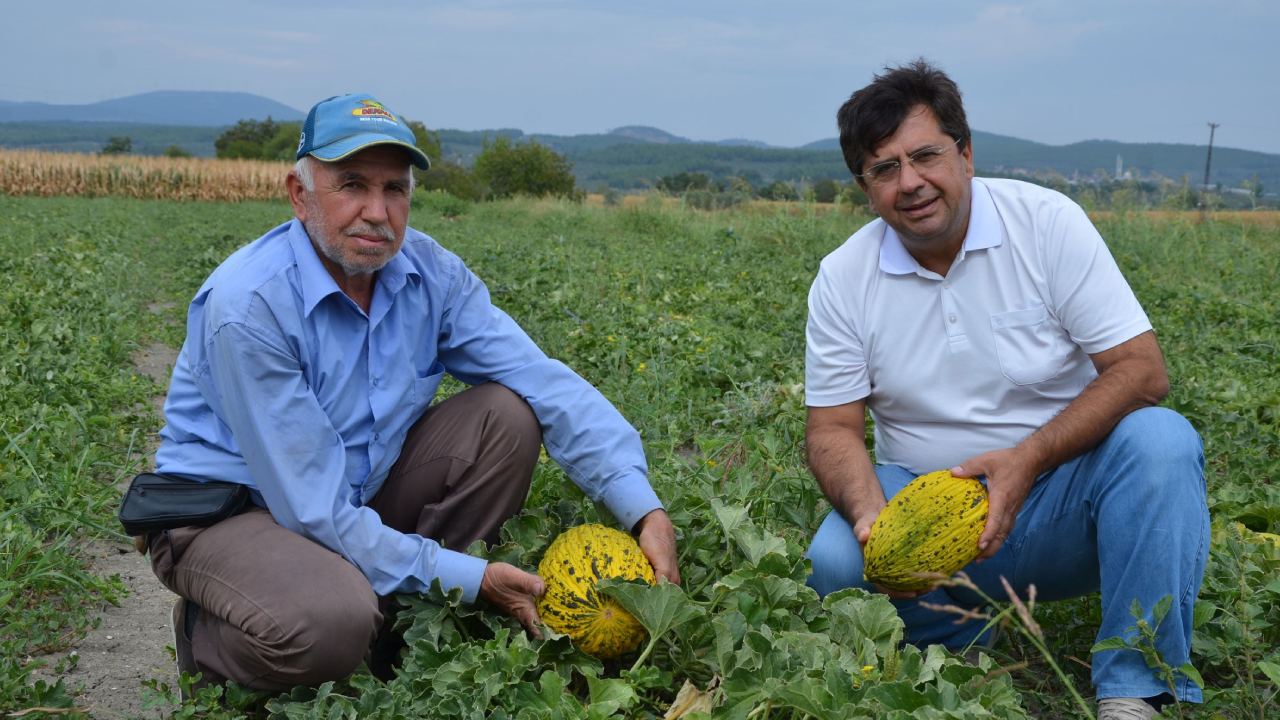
x: 504, y: 167
x: 704, y: 192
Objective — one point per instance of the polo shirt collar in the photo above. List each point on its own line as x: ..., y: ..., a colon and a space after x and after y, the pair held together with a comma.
x: 315, y: 280
x: 984, y: 232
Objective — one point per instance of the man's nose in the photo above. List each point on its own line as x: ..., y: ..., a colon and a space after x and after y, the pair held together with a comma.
x: 375, y: 209
x: 909, y: 180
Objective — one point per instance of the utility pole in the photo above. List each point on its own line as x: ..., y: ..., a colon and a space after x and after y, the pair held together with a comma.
x: 1204, y: 190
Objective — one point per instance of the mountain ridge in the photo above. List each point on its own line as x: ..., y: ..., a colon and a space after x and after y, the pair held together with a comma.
x: 193, y: 108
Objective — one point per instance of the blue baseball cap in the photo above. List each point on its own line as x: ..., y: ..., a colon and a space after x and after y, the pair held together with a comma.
x: 346, y: 124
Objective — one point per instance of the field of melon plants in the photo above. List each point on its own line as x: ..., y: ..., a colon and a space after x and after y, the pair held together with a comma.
x: 692, y: 323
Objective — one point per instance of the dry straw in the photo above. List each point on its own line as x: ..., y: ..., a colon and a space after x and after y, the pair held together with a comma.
x: 30, y: 172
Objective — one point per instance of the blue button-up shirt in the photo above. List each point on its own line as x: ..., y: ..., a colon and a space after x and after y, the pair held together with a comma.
x: 284, y: 384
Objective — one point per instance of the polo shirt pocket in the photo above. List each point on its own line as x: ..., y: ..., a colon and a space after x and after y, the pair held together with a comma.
x: 1028, y: 345
x: 424, y: 388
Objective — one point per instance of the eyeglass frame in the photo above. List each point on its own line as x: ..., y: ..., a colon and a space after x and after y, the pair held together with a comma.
x: 911, y: 159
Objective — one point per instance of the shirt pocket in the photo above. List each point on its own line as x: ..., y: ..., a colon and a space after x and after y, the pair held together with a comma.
x: 1028, y: 344
x: 424, y: 388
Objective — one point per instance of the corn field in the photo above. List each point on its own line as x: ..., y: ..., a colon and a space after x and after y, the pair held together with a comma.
x: 48, y: 174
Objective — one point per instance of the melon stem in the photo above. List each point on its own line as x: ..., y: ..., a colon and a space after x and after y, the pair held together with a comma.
x: 648, y: 649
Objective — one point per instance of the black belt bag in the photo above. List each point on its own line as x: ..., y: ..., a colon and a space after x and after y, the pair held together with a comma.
x: 163, y: 502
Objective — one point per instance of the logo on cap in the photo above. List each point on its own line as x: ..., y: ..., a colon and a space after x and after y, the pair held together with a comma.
x: 373, y: 110
x: 302, y: 140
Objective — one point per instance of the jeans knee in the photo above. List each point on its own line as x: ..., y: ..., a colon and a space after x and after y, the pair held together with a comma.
x: 1160, y: 436
x: 835, y: 558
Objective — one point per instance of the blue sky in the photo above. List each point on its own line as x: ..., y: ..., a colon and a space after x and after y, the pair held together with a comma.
x: 1055, y: 71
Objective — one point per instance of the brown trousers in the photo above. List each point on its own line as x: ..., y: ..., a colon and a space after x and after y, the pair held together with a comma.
x: 279, y: 610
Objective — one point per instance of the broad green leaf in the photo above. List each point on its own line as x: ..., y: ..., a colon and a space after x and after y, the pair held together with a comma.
x: 1161, y: 609
x: 1114, y: 643
x: 897, y: 695
x: 612, y: 690
x: 856, y: 614
x: 810, y: 695
x: 730, y: 627
x: 1271, y: 670
x: 1204, y: 612
x: 730, y: 516
x: 1190, y: 671
x: 658, y: 607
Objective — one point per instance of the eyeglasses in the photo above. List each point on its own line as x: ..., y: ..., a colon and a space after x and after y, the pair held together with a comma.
x: 923, y: 160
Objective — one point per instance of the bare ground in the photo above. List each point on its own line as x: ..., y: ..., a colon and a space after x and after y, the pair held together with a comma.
x: 129, y: 646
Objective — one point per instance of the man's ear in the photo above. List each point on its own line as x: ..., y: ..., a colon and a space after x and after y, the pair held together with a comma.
x: 297, y: 195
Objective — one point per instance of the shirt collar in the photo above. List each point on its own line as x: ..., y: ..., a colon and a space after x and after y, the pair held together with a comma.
x: 317, y: 284
x: 984, y: 232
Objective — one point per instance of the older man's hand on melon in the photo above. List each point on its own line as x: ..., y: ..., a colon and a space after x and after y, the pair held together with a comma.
x: 657, y: 540
x: 513, y: 590
x: 862, y: 530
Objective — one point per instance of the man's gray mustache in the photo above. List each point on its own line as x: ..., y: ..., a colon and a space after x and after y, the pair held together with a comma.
x: 382, y: 232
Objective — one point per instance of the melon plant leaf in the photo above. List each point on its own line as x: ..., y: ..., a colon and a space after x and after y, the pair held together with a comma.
x: 856, y: 614
x: 658, y: 607
x: 897, y: 695
x: 730, y: 627
x: 612, y: 690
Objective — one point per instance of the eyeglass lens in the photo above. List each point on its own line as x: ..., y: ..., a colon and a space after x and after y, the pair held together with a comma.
x: 924, y: 159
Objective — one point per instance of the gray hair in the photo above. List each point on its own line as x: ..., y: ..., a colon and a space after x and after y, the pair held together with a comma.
x: 305, y: 170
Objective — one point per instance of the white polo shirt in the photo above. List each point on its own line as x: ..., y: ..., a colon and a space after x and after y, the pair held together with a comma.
x: 954, y: 367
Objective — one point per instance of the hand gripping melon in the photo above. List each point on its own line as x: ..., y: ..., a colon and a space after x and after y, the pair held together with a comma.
x: 574, y: 562
x: 932, y: 526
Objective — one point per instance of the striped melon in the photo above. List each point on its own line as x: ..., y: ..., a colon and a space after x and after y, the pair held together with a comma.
x: 932, y: 526
x: 574, y: 562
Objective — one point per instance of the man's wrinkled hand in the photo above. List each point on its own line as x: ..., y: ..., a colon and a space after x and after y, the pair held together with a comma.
x: 862, y: 530
x: 1010, y: 476
x: 513, y: 590
x: 658, y: 543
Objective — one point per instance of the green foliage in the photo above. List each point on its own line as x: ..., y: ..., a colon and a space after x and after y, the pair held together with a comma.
x: 259, y: 140
x: 826, y: 190
x: 174, y: 151
x: 682, y: 182
x: 778, y: 190
x: 73, y: 414
x: 451, y: 178
x: 438, y: 203
x: 514, y: 168
x: 853, y: 196
x: 117, y: 146
x: 693, y: 325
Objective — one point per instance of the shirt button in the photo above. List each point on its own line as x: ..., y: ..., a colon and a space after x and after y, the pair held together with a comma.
x: 946, y: 284
x: 999, y: 321
x: 952, y: 319
x: 374, y: 380
x: 377, y: 436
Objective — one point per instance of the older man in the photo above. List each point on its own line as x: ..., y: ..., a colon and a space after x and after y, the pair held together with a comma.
x: 987, y: 329
x: 312, y: 355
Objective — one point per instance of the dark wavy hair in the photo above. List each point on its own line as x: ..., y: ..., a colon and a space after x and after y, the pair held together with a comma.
x: 872, y: 115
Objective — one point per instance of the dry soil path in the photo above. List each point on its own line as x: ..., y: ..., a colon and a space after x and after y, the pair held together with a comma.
x: 130, y: 644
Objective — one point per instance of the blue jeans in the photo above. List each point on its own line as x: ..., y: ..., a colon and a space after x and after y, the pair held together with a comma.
x: 1128, y: 518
